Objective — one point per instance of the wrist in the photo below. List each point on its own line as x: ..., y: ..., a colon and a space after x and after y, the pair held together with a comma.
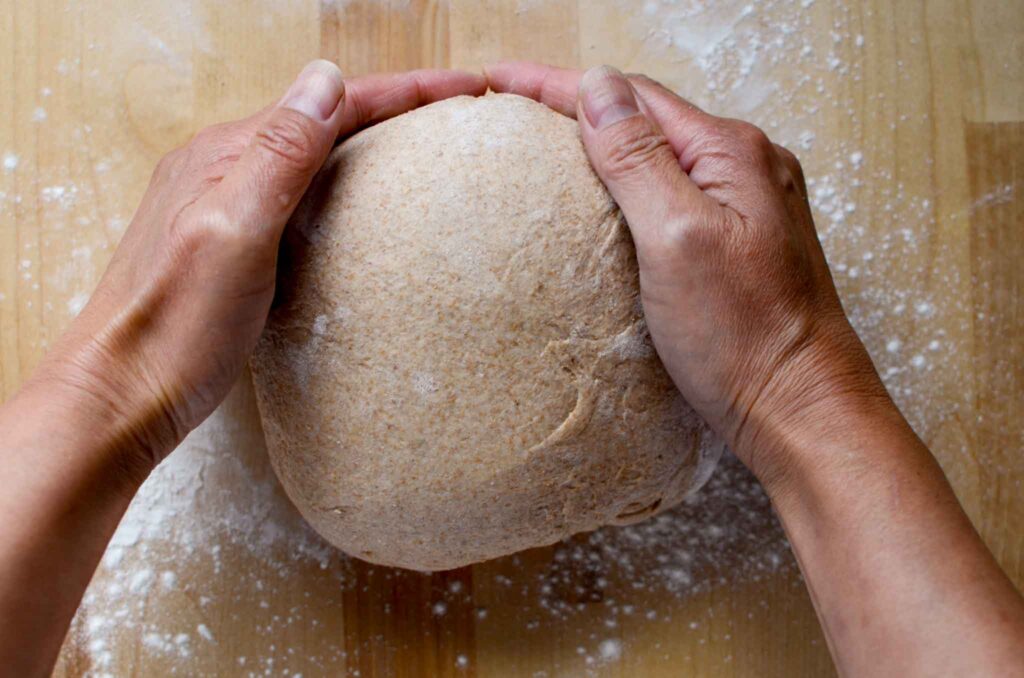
x: 60, y: 420
x: 71, y: 461
x: 826, y: 398
x: 104, y: 418
x: 838, y: 438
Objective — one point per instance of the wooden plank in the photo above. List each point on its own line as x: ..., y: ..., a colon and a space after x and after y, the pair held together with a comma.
x: 926, y: 98
x: 996, y: 165
x: 366, y: 36
x: 484, y: 32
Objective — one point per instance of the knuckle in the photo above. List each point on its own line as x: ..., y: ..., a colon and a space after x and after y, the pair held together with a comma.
x: 679, y: 235
x: 216, y: 158
x: 209, y: 230
x: 197, y: 150
x: 205, y: 157
x: 630, y: 150
x: 743, y: 146
x: 789, y: 183
x: 693, y: 233
x: 791, y: 170
x: 216, y: 134
x: 203, y: 136
x: 753, y: 138
x: 290, y: 138
x: 168, y: 165
x: 360, y: 111
x: 787, y: 155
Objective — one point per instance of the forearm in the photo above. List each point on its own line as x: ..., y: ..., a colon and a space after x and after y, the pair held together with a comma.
x: 70, y: 469
x: 744, y: 314
x: 901, y: 581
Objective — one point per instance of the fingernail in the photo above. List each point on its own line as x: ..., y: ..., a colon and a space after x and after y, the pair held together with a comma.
x: 607, y: 97
x: 317, y: 91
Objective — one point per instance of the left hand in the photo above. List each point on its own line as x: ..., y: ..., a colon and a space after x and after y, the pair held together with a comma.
x: 187, y: 292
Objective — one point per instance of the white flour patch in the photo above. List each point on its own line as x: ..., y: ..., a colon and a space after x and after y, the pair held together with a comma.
x: 64, y: 196
x: 211, y: 531
x: 185, y: 516
x: 76, y: 303
x: 610, y: 650
x: 424, y: 383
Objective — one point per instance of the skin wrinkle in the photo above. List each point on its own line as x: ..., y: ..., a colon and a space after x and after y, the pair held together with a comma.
x: 742, y: 411
x: 127, y: 330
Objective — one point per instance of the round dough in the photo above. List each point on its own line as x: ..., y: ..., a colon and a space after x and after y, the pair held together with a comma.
x: 457, y: 365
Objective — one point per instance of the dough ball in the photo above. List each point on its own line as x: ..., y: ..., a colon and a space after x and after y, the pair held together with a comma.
x: 457, y: 366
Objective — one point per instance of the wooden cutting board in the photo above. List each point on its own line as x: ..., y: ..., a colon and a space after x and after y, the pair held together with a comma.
x: 908, y: 117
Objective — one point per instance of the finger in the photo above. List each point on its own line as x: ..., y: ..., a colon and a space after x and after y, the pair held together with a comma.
x: 726, y: 159
x: 368, y: 99
x: 288, y: 146
x: 372, y: 98
x: 681, y: 120
x: 552, y: 86
x: 731, y: 161
x: 635, y: 161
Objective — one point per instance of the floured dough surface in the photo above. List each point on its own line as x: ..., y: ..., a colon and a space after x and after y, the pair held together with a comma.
x: 457, y: 366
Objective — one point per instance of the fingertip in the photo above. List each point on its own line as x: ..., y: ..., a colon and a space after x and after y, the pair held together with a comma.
x: 317, y: 91
x: 606, y: 97
x: 325, y: 66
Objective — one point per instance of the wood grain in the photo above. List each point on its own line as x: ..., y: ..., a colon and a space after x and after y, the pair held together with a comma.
x: 94, y: 92
x: 996, y: 165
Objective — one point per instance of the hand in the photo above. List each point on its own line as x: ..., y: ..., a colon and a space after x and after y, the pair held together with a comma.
x: 735, y: 288
x: 162, y: 339
x: 186, y: 295
x: 745, y: 316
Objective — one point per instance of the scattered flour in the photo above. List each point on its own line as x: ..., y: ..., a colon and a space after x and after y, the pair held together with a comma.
x: 61, y: 195
x: 610, y: 650
x: 211, y: 530
x: 76, y: 303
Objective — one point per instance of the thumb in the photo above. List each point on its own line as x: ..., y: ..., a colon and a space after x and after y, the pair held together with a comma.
x: 634, y: 160
x: 290, y: 144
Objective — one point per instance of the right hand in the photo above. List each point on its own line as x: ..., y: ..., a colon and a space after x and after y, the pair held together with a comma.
x: 737, y: 294
x: 186, y: 295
